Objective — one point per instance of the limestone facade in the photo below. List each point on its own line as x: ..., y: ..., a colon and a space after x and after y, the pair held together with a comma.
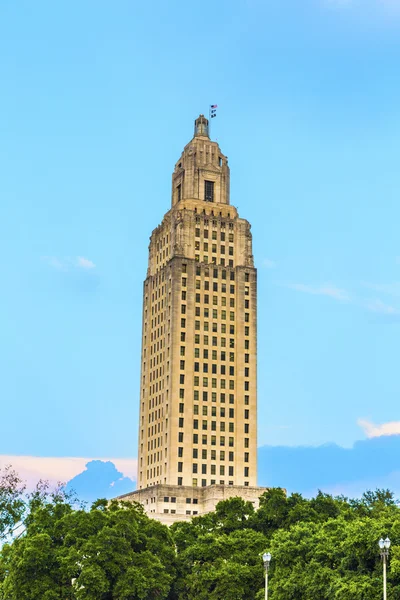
x: 198, y: 392
x: 169, y: 503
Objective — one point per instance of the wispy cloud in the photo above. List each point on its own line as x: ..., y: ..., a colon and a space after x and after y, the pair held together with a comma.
x: 380, y: 307
x: 85, y: 263
x: 372, y: 430
x: 392, y: 289
x: 321, y: 290
x: 67, y: 264
x: 269, y: 264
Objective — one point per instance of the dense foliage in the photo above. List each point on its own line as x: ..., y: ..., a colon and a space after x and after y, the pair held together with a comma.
x: 323, y: 548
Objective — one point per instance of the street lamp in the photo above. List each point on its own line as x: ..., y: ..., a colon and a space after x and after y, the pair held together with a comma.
x: 267, y: 559
x: 384, y: 546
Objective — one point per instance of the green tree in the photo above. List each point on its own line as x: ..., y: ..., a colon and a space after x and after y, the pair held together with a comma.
x: 113, y: 551
x: 12, y: 501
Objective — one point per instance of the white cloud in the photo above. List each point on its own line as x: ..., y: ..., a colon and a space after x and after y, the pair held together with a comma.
x: 85, y: 263
x: 55, y: 470
x: 321, y: 290
x: 269, y: 264
x: 380, y: 307
x: 55, y: 262
x: 372, y: 430
x: 67, y: 264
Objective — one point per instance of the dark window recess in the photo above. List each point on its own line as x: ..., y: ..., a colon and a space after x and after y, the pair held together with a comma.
x: 179, y: 192
x: 209, y: 191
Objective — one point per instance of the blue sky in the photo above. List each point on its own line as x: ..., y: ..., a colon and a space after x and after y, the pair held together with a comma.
x: 97, y: 101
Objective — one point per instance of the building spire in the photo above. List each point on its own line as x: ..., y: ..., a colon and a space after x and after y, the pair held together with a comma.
x: 201, y: 127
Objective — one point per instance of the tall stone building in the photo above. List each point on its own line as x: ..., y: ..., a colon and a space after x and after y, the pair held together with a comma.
x: 198, y: 393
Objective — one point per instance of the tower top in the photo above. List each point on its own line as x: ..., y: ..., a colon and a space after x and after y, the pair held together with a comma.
x: 201, y: 127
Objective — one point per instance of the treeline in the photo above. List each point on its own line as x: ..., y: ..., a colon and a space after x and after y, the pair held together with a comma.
x: 323, y: 548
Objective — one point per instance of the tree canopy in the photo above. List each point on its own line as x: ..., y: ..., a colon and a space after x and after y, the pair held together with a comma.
x: 322, y: 548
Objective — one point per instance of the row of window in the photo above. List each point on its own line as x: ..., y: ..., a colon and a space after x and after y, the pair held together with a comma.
x: 212, y: 410
x: 173, y: 511
x: 214, y: 248
x: 213, y: 481
x: 213, y: 260
x: 223, y: 369
x: 214, y: 235
x: 197, y: 338
x: 213, y: 469
x: 188, y: 500
x: 204, y: 425
x: 221, y: 382
x: 213, y: 454
x: 222, y: 396
x: 214, y: 353
x: 214, y: 222
x: 213, y: 437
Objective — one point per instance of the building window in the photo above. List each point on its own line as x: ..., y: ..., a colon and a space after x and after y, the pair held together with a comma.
x: 194, y: 467
x: 181, y: 421
x: 180, y: 480
x: 183, y: 322
x: 209, y: 191
x: 180, y: 437
x: 180, y: 452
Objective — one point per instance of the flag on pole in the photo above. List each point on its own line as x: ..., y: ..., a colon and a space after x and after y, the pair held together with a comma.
x: 213, y: 111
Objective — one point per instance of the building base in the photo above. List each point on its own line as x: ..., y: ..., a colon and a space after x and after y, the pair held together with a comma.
x: 170, y: 503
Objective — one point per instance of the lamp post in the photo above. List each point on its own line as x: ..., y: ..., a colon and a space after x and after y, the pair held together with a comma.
x: 267, y: 559
x: 384, y: 546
